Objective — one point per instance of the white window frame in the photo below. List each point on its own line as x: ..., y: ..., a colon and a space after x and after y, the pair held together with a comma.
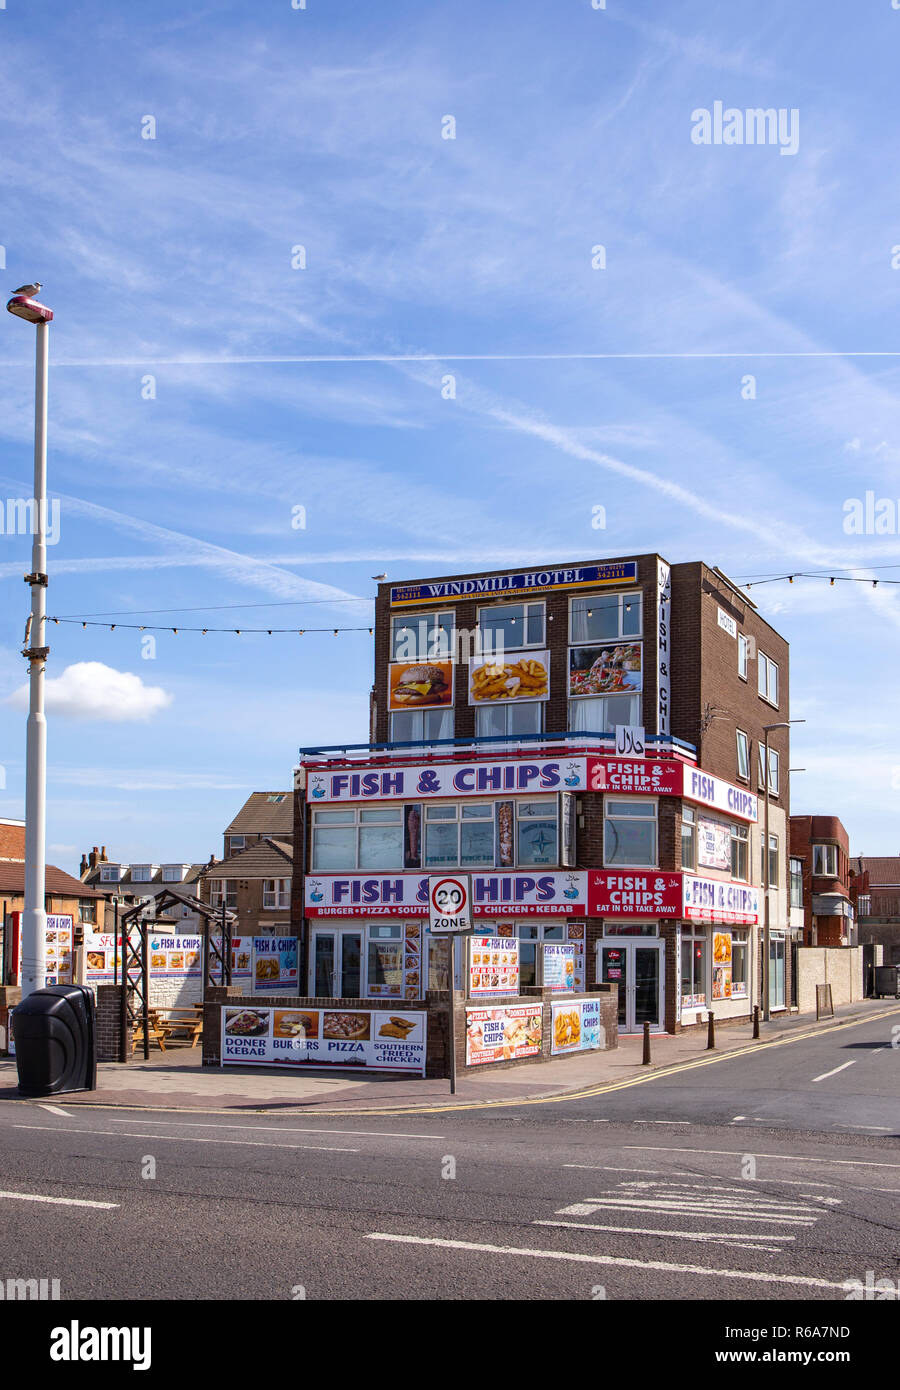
x: 509, y: 706
x: 574, y: 701
x: 276, y: 893
x: 764, y: 681
x: 110, y: 873
x: 436, y: 622
x: 773, y: 769
x: 743, y: 656
x: 173, y: 873
x: 691, y: 932
x: 635, y: 595
x: 740, y: 835
x: 236, y: 842
x: 689, y: 822
x: 141, y: 873
x: 740, y: 941
x: 765, y: 861
x: 829, y: 852
x: 525, y: 604
x: 795, y: 879
x: 644, y: 819
x: 443, y: 710
x: 356, y: 825
x: 216, y: 886
x: 743, y: 739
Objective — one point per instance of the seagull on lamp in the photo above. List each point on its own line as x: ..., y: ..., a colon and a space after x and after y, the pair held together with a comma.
x: 29, y: 290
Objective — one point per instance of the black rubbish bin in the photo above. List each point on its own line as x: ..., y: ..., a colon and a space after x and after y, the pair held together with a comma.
x: 55, y: 1037
x: 887, y: 981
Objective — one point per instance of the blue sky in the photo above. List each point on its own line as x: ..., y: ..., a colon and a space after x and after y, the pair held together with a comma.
x: 322, y: 128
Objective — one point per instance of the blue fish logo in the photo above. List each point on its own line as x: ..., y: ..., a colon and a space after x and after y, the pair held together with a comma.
x: 570, y: 893
x: 318, y: 791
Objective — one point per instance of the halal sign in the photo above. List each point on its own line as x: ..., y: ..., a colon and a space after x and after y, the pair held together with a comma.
x: 450, y: 903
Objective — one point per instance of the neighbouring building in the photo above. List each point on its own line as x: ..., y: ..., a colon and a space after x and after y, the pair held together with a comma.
x: 65, y: 896
x: 875, y: 889
x: 587, y: 742
x: 256, y: 884
x: 262, y: 814
x: 134, y: 883
x: 820, y: 875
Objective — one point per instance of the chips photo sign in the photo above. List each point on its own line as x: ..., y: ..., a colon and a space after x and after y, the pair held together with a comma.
x: 450, y: 903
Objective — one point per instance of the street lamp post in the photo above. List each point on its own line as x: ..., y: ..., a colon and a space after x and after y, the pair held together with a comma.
x: 767, y: 729
x: 34, y: 917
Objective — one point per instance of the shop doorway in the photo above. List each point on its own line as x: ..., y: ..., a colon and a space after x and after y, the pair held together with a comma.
x: 335, y: 964
x: 638, y: 968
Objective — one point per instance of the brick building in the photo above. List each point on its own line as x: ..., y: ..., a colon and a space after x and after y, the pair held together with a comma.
x: 820, y: 853
x: 256, y: 884
x: 875, y: 890
x: 495, y: 710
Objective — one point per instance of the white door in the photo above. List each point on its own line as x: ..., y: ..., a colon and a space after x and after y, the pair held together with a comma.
x: 638, y: 968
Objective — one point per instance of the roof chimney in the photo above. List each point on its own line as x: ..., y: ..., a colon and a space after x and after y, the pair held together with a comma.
x: 93, y: 858
x: 103, y: 859
x: 84, y: 866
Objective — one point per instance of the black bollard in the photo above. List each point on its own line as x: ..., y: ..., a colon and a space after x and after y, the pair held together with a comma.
x: 711, y: 1035
x: 645, y: 1060
x: 756, y: 1020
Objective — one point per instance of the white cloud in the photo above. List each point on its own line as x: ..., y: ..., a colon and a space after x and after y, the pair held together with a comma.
x: 91, y: 690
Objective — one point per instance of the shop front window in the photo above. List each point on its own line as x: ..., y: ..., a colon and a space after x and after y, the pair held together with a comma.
x: 531, y: 935
x: 693, y: 968
x: 385, y: 960
x: 740, y: 961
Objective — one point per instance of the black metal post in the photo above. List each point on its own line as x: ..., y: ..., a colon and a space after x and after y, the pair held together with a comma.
x: 145, y: 972
x: 711, y: 1033
x: 645, y: 1060
x: 756, y: 1020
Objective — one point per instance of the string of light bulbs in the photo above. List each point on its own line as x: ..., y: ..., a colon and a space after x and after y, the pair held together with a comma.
x: 235, y: 631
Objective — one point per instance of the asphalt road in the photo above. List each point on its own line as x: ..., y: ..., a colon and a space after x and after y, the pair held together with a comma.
x: 772, y: 1176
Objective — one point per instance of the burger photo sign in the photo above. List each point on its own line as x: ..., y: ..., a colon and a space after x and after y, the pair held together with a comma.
x: 425, y: 683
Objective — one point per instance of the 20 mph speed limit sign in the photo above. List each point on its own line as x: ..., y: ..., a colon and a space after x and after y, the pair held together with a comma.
x: 450, y: 903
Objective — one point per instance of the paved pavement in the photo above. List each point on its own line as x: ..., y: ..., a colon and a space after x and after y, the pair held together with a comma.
x: 176, y: 1080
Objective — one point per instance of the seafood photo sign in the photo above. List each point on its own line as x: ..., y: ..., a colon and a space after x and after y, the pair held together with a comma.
x: 342, y: 1038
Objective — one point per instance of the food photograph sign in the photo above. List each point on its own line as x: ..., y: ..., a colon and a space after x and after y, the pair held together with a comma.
x: 346, y: 1039
x: 575, y: 1026
x: 275, y: 963
x: 606, y: 669
x: 722, y: 965
x: 503, y: 1034
x: 559, y: 966
x: 525, y: 678
x: 420, y: 685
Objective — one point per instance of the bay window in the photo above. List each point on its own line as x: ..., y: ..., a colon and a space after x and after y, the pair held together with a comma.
x: 629, y: 833
x: 825, y: 861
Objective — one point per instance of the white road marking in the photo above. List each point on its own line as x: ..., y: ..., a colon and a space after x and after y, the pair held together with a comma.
x: 55, y: 1110
x: 667, y: 1207
x: 738, y: 1117
x: 58, y: 1201
x: 752, y: 1276
x: 783, y: 1158
x: 713, y: 1237
x: 186, y: 1139
x: 877, y: 1050
x: 661, y: 1173
x: 843, y: 1067
x: 282, y: 1129
x: 662, y: 1122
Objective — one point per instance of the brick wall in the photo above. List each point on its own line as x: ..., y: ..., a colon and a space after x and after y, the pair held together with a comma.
x: 109, y: 1004
x: 12, y: 840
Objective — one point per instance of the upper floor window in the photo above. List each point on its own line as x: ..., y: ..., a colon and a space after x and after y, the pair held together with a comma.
x: 767, y: 678
x: 743, y: 655
x: 140, y: 873
x: 416, y: 636
x: 796, y: 883
x: 173, y: 873
x: 865, y: 905
x: 773, y: 770
x: 743, y: 755
x: 600, y: 714
x: 421, y: 725
x: 773, y: 861
x: 825, y: 861
x: 87, y: 910
x: 629, y: 833
x: 740, y: 852
x: 509, y: 718
x: 237, y: 842
x: 604, y: 617
x: 219, y: 887
x: 276, y: 892
x: 687, y: 837
x: 110, y: 873
x: 510, y: 626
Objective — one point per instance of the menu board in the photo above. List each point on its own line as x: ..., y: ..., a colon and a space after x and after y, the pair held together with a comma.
x: 713, y: 844
x: 241, y: 957
x: 559, y: 966
x: 502, y: 1034
x: 493, y: 966
x: 413, y: 968
x: 275, y: 964
x: 575, y: 1026
x: 175, y: 956
x: 722, y: 963
x: 58, y: 948
x: 346, y: 1039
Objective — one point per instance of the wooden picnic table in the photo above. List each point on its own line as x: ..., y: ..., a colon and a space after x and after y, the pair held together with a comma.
x: 181, y: 1019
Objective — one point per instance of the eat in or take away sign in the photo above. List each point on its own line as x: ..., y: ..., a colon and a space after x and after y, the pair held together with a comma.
x: 449, y: 903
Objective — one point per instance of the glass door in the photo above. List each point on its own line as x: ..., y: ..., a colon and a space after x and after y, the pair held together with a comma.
x: 351, y: 964
x: 637, y: 968
x: 321, y: 965
x: 335, y: 964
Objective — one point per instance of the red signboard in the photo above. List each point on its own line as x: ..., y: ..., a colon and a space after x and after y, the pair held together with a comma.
x: 649, y: 776
x: 631, y: 894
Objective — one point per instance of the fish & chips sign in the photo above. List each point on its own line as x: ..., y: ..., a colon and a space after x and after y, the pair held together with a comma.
x: 406, y: 895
